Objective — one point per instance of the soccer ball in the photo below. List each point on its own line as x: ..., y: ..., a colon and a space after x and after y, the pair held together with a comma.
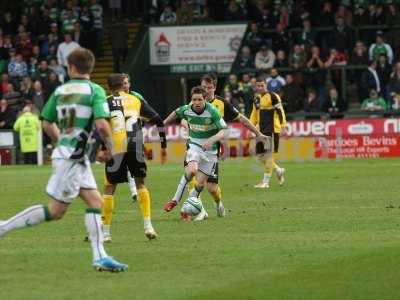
x: 191, y: 207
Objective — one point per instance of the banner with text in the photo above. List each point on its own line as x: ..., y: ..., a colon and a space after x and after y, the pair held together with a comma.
x: 212, y: 44
x: 316, y: 139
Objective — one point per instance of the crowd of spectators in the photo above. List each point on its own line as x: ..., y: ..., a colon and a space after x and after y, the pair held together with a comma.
x: 302, y: 53
x: 300, y: 47
x: 35, y: 40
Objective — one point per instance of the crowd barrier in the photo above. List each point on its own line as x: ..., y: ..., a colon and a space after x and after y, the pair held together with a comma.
x: 303, y: 140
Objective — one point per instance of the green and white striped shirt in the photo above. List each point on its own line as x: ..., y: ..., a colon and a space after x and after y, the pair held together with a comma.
x: 203, y: 125
x: 73, y: 106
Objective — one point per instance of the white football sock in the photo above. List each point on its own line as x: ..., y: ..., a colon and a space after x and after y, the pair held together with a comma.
x: 132, y: 185
x: 266, y: 178
x: 93, y: 228
x: 29, y: 217
x: 106, y: 230
x: 181, y: 188
x: 147, y: 223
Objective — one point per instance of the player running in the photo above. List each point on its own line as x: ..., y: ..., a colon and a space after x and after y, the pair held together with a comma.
x: 229, y: 114
x: 68, y: 119
x: 206, y: 129
x: 126, y: 110
x: 269, y: 115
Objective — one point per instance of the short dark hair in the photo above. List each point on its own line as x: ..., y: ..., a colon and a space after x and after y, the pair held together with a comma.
x: 115, y: 81
x: 83, y: 60
x: 210, y: 78
x: 311, y: 91
x: 197, y: 90
x: 260, y: 79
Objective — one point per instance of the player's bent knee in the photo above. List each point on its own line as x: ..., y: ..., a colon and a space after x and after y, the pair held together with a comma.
x: 200, y: 184
x: 92, y: 198
x: 56, y: 209
x: 109, y: 189
x: 212, y: 187
x: 201, y: 181
x: 139, y: 181
x: 55, y: 217
x: 191, y: 171
x: 56, y: 214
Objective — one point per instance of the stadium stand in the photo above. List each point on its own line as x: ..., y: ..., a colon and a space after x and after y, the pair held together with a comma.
x: 325, y: 60
x: 33, y: 51
x: 325, y: 45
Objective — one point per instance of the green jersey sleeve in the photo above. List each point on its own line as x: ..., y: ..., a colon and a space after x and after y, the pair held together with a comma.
x: 180, y: 111
x: 381, y: 102
x: 136, y: 94
x: 49, y: 111
x: 217, y: 118
x: 99, y: 103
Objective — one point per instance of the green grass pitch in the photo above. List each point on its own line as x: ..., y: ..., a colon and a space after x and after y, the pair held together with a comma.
x: 332, y: 232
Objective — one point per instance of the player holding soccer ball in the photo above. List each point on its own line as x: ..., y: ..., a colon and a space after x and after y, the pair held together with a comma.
x: 229, y: 113
x: 68, y: 118
x: 126, y: 109
x: 269, y: 115
x: 206, y: 129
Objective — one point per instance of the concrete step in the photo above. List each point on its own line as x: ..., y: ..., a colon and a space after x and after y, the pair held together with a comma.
x: 105, y: 59
x: 103, y: 69
x: 100, y: 77
x: 100, y: 81
x: 107, y: 52
x: 105, y: 64
x: 102, y: 73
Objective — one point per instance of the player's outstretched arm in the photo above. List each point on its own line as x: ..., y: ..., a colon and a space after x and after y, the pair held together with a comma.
x: 103, y: 128
x: 51, y: 130
x: 185, y: 124
x: 156, y: 120
x: 171, y: 118
x: 246, y: 122
x: 223, y: 133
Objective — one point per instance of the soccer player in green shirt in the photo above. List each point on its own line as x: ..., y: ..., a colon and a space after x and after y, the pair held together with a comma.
x: 206, y: 128
x: 68, y: 118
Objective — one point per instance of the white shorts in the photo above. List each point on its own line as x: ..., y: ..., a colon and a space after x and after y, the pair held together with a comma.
x: 206, y: 161
x: 68, y: 178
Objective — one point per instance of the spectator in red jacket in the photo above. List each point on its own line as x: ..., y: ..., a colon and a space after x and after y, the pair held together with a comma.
x: 4, y: 84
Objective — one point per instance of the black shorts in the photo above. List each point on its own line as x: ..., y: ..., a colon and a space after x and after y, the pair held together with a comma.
x: 116, y: 170
x: 260, y: 148
x: 213, y: 178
